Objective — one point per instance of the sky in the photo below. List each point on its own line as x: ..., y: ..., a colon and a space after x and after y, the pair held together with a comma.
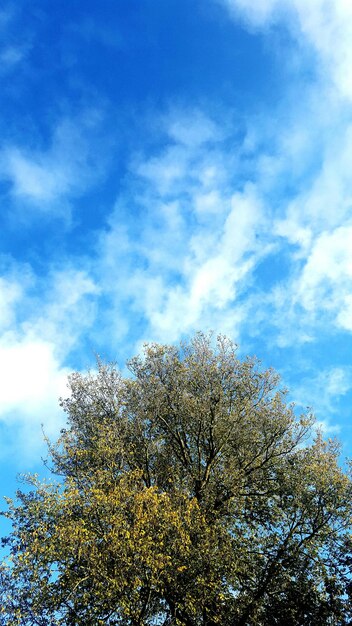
x: 168, y: 166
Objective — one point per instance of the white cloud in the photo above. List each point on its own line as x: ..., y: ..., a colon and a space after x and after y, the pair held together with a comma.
x: 35, y: 177
x: 31, y: 379
x: 46, y: 178
x: 323, y: 392
x: 192, y: 128
x: 68, y: 309
x: 197, y: 242
x: 188, y: 258
x: 42, y: 321
x: 191, y: 156
x: 325, y: 202
x: 305, y: 171
x: 258, y: 13
x: 326, y: 279
x: 325, y: 24
x: 210, y: 202
x: 315, y: 296
x: 166, y: 171
x: 10, y: 56
x: 13, y: 49
x: 10, y: 293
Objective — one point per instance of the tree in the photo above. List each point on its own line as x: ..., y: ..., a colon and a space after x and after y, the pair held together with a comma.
x: 187, y: 494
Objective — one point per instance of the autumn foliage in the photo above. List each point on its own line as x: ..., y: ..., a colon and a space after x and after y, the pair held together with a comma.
x: 187, y: 494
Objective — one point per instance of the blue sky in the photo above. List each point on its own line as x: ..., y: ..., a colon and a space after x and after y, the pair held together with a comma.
x: 168, y: 166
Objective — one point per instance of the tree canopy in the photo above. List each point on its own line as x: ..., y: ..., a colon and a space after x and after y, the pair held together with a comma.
x: 189, y: 494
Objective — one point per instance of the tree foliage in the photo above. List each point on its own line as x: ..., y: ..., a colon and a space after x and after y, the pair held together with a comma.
x: 188, y: 494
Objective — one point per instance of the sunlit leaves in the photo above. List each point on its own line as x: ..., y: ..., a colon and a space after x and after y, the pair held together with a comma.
x: 189, y: 494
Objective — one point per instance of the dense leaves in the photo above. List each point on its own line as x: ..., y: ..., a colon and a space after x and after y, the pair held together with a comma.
x: 187, y: 494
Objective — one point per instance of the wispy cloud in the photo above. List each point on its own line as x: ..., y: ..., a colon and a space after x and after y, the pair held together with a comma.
x: 311, y: 152
x: 323, y: 392
x: 10, y: 56
x: 189, y: 255
x: 14, y: 45
x: 190, y: 259
x: 325, y: 281
x: 47, y: 180
x: 10, y: 294
x: 325, y: 25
